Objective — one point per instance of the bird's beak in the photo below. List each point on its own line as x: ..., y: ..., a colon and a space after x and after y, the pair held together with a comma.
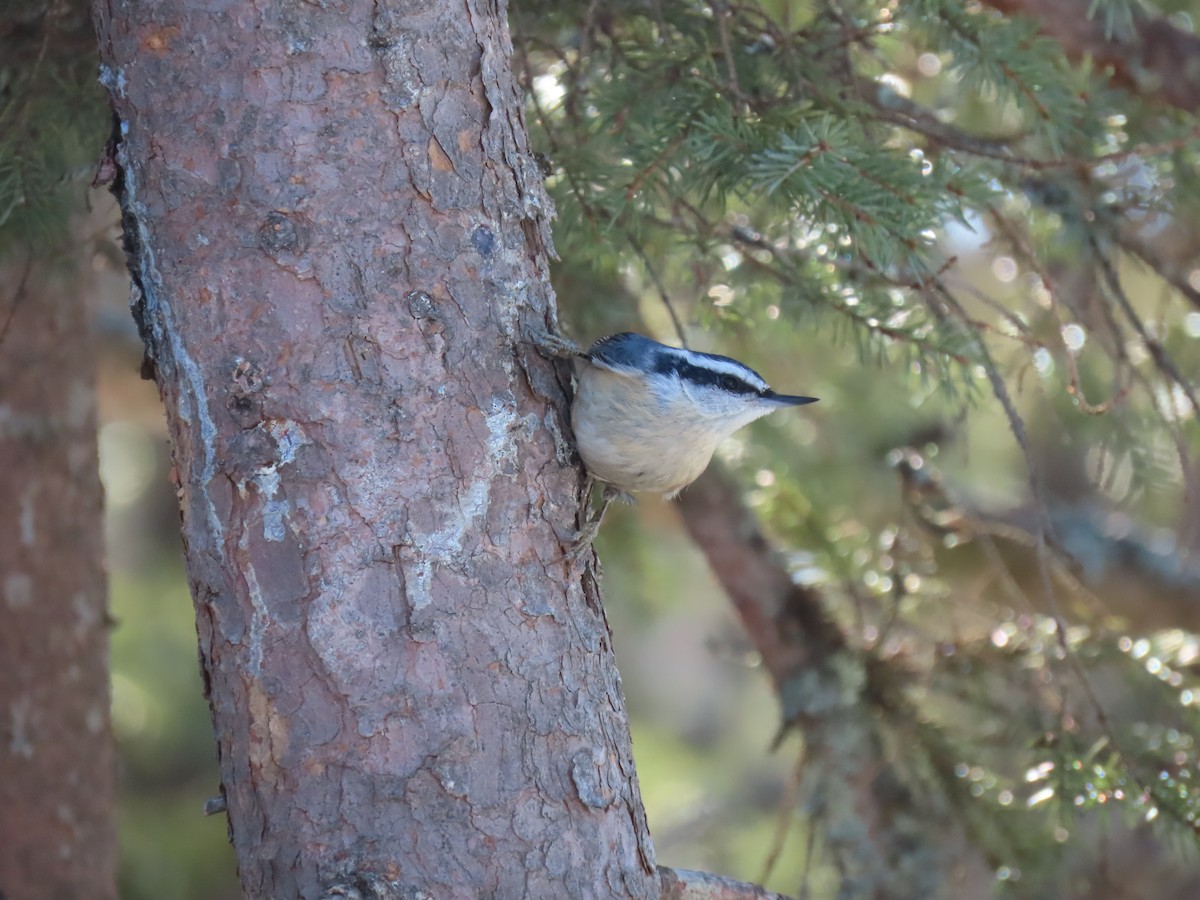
x: 787, y: 399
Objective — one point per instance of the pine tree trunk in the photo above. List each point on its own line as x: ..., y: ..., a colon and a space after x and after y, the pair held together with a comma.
x: 337, y: 235
x: 57, y: 792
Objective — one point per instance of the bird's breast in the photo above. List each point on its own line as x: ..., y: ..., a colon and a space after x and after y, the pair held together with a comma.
x: 632, y: 439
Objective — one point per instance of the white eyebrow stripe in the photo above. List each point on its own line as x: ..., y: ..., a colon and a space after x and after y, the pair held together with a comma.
x: 723, y: 365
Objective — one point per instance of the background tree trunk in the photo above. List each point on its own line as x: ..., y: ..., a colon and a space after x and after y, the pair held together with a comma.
x: 57, y: 822
x: 336, y: 231
x: 57, y: 794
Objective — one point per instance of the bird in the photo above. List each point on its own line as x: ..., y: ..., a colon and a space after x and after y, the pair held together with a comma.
x: 647, y: 416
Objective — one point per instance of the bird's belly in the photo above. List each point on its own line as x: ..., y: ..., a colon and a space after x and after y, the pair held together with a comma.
x: 634, y: 440
x: 643, y: 464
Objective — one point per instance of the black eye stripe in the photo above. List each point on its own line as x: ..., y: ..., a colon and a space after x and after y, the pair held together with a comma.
x: 629, y: 352
x: 701, y: 375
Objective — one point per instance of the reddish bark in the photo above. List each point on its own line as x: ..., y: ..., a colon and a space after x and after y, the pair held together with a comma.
x: 57, y: 822
x: 336, y: 229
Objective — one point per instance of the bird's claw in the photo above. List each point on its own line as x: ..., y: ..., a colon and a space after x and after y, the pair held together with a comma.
x: 587, y: 534
x: 555, y: 346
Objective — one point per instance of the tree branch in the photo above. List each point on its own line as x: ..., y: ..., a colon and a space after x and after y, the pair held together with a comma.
x: 882, y: 839
x: 1153, y: 58
x: 785, y: 620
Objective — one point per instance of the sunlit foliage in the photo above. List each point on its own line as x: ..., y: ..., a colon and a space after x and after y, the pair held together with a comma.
x: 982, y: 256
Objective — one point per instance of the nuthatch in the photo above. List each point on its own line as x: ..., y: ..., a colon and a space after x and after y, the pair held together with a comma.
x: 647, y: 417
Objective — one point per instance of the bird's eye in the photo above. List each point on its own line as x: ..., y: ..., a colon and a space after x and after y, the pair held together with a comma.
x: 729, y: 383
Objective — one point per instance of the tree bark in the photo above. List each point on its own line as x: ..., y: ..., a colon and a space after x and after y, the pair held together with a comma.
x: 336, y: 233
x: 57, y: 795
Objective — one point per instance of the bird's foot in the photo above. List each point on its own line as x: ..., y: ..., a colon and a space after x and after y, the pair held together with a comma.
x: 591, y: 526
x: 555, y: 346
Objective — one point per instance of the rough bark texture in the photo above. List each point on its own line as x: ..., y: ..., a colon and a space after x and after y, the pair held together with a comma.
x: 336, y: 232
x: 1153, y: 57
x: 57, y: 813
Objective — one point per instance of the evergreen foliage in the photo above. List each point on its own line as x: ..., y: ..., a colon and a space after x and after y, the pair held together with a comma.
x: 1003, y: 241
x: 53, y: 121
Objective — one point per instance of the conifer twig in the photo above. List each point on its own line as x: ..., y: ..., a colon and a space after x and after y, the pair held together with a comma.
x: 1154, y: 58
